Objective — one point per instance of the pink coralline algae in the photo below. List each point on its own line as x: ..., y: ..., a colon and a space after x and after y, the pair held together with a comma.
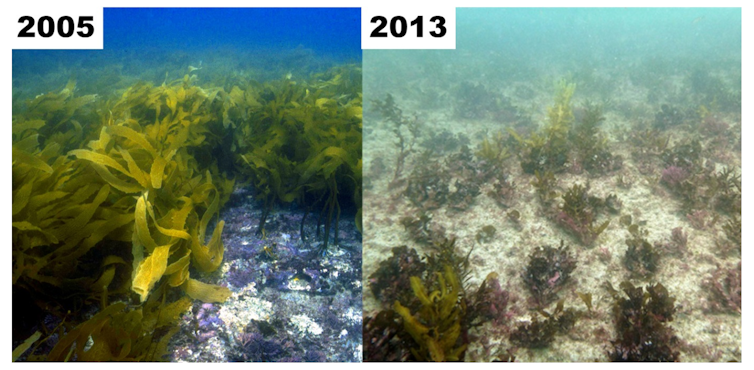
x: 725, y: 289
x: 674, y: 175
x: 698, y: 219
x: 677, y: 245
x: 580, y: 229
x: 489, y: 302
x: 712, y: 125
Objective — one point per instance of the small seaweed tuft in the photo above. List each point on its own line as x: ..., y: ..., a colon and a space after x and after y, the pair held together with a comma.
x: 422, y: 230
x: 382, y: 338
x: 548, y: 150
x: 541, y: 333
x: 488, y: 303
x: 486, y: 234
x: 392, y: 280
x: 592, y: 150
x: 578, y: 214
x: 724, y: 285
x: 548, y: 271
x: 641, y: 323
x: 641, y: 258
x: 545, y: 184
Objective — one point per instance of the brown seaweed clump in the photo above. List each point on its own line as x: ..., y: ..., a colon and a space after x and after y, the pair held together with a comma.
x: 578, y: 214
x: 382, y: 338
x: 541, y: 333
x: 548, y: 271
x: 392, y: 280
x: 641, y: 258
x: 641, y: 323
x: 724, y: 287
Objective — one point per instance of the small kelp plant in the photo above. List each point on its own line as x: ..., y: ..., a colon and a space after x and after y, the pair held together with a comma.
x: 437, y: 330
x: 548, y: 150
x: 428, y: 307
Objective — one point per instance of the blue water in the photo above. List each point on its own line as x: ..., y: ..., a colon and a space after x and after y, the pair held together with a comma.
x: 573, y: 34
x: 325, y: 31
x: 148, y: 42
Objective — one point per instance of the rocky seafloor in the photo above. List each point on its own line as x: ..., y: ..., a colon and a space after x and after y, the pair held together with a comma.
x: 290, y: 302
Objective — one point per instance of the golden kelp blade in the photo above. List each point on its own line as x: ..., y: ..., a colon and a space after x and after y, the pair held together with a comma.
x: 23, y: 347
x: 354, y: 111
x: 22, y: 157
x: 115, y: 335
x: 419, y: 291
x: 150, y: 271
x: 100, y: 159
x: 175, y: 233
x: 115, y: 182
x: 178, y: 271
x: 326, y: 161
x: 21, y: 198
x: 134, y: 136
x: 80, y: 334
x: 206, y: 292
x: 413, y: 326
x: 158, y: 169
x: 98, y: 230
x: 141, y: 228
x: 134, y: 169
x: 84, y: 215
x: 19, y: 128
x: 208, y: 258
x: 170, y: 313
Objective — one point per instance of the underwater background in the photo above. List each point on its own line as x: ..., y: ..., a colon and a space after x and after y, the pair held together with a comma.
x: 192, y: 192
x: 564, y: 186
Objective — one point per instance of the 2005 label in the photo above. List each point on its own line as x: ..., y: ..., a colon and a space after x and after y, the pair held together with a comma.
x: 47, y: 26
x: 399, y: 26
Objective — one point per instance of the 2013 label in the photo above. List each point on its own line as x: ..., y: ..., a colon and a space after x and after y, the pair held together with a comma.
x: 46, y: 26
x: 399, y: 26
